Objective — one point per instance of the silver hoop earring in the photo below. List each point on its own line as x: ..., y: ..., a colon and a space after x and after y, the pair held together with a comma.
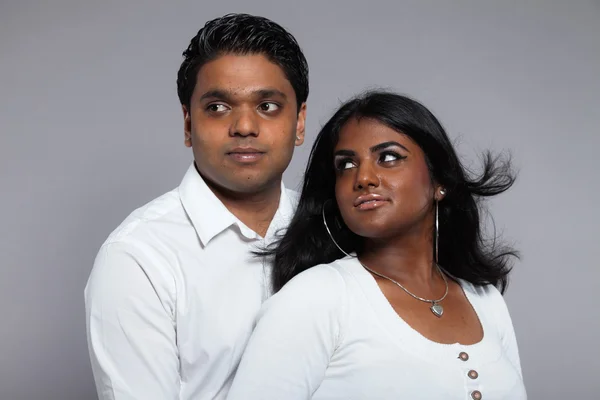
x: 329, y: 232
x: 437, y: 231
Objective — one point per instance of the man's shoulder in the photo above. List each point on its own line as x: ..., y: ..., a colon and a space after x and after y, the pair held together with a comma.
x: 294, y: 195
x: 163, y: 209
x: 293, y: 198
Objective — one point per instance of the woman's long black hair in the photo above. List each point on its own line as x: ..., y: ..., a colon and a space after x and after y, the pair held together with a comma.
x: 463, y: 250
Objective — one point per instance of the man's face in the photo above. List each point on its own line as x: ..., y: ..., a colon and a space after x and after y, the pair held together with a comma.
x: 243, y: 123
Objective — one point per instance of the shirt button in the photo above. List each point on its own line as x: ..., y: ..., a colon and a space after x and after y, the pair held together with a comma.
x: 476, y: 395
x: 473, y: 374
x: 463, y: 356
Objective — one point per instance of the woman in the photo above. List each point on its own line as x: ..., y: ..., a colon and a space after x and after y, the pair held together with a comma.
x: 405, y: 299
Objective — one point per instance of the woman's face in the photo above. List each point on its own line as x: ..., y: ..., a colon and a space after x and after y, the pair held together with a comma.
x: 383, y: 187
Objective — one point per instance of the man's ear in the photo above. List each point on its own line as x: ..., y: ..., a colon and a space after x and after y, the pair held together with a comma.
x: 187, y: 126
x: 301, y: 125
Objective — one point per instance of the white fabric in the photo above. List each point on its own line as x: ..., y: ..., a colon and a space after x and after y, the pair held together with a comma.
x: 173, y: 296
x: 330, y: 333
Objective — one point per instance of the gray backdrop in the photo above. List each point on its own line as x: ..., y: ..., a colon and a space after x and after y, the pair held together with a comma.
x: 91, y: 128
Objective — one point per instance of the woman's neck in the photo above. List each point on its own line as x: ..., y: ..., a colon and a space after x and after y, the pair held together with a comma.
x: 404, y: 259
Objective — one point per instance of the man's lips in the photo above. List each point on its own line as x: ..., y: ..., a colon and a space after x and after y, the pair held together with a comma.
x: 245, y: 154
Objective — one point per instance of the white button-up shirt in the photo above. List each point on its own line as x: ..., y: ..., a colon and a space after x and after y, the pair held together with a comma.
x: 345, y: 341
x: 173, y: 296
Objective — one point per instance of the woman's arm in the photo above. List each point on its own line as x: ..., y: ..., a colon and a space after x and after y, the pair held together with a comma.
x: 507, y: 331
x: 509, y: 341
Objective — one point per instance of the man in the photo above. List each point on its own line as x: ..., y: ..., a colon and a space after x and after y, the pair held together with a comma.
x: 175, y: 289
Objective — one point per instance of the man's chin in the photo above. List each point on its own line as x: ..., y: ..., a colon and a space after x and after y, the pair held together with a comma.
x: 245, y: 184
x: 251, y: 184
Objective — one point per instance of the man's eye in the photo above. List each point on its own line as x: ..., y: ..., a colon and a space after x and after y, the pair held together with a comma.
x: 217, y: 108
x: 269, y: 107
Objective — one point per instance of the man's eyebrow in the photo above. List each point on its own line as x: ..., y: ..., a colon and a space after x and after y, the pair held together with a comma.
x: 227, y: 95
x: 266, y: 93
x: 216, y: 94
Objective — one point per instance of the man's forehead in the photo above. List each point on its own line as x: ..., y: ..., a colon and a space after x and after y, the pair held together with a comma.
x: 230, y: 66
x: 243, y: 76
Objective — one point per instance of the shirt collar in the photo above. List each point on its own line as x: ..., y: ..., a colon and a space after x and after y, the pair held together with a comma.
x: 209, y: 216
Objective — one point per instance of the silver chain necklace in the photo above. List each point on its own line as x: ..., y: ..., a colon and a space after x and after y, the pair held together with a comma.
x: 435, y: 308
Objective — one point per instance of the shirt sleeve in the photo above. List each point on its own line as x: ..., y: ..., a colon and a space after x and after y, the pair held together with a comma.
x: 509, y: 342
x: 507, y: 332
x: 131, y: 328
x: 297, y: 332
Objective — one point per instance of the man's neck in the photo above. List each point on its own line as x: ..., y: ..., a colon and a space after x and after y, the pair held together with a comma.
x: 255, y: 210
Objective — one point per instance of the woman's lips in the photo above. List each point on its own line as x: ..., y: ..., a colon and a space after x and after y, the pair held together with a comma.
x: 370, y: 201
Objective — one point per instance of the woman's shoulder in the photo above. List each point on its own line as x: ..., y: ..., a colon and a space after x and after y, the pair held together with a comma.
x: 489, y: 297
x: 322, y: 277
x: 487, y: 292
x: 323, y: 284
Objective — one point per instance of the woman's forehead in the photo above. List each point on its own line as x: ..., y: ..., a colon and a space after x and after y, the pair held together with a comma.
x: 364, y: 133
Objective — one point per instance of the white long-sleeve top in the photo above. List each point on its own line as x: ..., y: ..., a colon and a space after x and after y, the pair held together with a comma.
x: 174, y: 295
x: 330, y: 333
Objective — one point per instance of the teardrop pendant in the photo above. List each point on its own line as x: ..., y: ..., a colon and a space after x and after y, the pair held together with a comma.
x: 437, y: 310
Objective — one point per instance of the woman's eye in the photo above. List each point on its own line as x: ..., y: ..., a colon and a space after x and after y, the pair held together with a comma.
x: 389, y: 157
x: 217, y: 108
x: 345, y: 164
x: 269, y: 107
